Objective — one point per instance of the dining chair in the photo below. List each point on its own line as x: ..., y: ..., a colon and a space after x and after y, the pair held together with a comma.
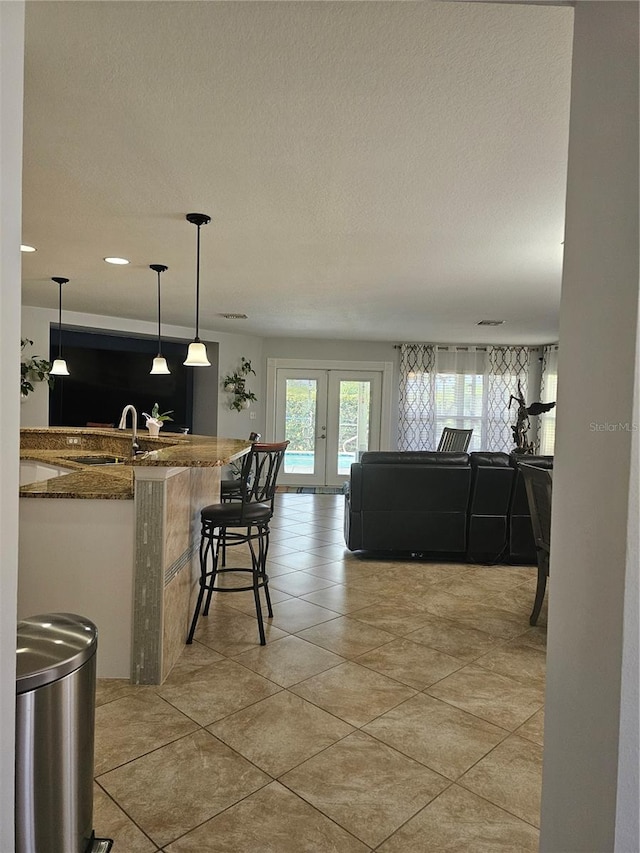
x: 538, y: 482
x: 454, y: 439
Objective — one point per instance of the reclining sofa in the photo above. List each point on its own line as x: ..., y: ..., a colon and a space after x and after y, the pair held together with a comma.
x: 453, y: 505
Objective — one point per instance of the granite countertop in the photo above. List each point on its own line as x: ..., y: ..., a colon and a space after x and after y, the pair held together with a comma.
x: 51, y: 445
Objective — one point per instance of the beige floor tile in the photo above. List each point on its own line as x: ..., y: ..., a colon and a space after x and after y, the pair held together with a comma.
x: 332, y: 551
x: 232, y: 632
x: 493, y: 697
x: 501, y: 578
x: 109, y: 821
x: 380, y: 583
x: 280, y: 732
x: 273, y: 820
x: 353, y: 693
x: 444, y: 738
x: 424, y: 574
x: 289, y: 660
x: 331, y: 536
x: 131, y: 726
x: 206, y: 777
x: 300, y: 560
x: 109, y: 689
x: 448, y: 636
x: 519, y: 600
x: 279, y: 548
x: 299, y: 583
x: 192, y: 658
x: 346, y: 636
x: 395, y: 618
x: 482, y: 617
x: 459, y: 822
x: 516, y: 660
x: 536, y: 637
x: 246, y: 603
x: 295, y: 615
x: 336, y: 571
x: 411, y: 663
x: 510, y: 777
x: 533, y: 729
x: 276, y: 569
x: 214, y: 691
x: 343, y: 599
x: 365, y: 786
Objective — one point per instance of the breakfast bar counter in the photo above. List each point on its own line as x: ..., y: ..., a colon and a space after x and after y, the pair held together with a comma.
x: 115, y: 538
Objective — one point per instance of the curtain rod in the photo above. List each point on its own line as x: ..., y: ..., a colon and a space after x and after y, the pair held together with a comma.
x: 482, y: 348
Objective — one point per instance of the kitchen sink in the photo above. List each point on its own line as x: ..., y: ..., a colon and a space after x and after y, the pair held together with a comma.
x: 99, y: 460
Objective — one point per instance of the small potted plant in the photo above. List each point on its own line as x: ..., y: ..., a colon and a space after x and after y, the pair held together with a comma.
x: 155, y: 420
x: 33, y: 369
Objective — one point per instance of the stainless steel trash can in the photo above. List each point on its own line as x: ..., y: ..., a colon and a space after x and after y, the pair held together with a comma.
x: 55, y: 714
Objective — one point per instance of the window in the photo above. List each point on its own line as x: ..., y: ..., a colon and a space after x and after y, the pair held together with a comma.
x: 460, y: 387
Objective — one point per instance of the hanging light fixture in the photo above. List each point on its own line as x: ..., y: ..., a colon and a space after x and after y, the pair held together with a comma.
x: 59, y: 367
x: 197, y: 353
x: 159, y: 362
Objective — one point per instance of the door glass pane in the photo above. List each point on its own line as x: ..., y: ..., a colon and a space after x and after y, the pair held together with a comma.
x: 300, y: 425
x: 353, y: 423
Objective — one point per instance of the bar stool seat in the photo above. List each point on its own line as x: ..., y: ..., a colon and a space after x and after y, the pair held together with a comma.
x: 244, y: 521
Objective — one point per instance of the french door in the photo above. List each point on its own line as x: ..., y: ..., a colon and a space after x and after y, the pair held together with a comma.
x: 329, y: 418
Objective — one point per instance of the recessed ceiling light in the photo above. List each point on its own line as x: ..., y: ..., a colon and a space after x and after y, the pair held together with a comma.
x: 234, y: 316
x: 25, y: 248
x: 490, y: 323
x: 120, y: 261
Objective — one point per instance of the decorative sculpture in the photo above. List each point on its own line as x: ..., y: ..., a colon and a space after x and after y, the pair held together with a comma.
x: 522, y: 424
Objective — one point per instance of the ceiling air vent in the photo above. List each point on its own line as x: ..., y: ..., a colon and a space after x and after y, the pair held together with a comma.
x: 490, y: 323
x: 234, y: 316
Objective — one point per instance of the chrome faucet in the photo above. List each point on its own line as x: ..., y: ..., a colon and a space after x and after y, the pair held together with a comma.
x: 135, y: 447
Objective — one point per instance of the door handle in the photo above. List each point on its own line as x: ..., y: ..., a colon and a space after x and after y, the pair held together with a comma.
x: 322, y: 436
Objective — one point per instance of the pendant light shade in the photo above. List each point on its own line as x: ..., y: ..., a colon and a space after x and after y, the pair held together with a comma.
x: 59, y: 366
x: 160, y: 365
x: 197, y: 353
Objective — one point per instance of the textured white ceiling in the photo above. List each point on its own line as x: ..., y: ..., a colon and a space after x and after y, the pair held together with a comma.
x: 376, y: 171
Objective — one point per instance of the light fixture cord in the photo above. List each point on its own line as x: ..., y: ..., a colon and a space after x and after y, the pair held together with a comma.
x: 198, y: 287
x: 59, y: 320
x: 159, y: 336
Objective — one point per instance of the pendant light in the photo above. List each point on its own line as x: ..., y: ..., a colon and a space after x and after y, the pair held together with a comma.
x: 59, y: 367
x: 159, y: 362
x: 197, y: 353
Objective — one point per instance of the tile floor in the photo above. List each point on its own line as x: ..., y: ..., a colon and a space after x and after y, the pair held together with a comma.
x: 396, y: 707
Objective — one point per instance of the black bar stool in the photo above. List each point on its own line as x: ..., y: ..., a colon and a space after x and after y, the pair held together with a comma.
x: 230, y: 489
x: 252, y: 513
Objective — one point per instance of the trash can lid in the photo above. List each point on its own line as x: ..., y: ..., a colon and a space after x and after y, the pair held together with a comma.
x: 51, y: 646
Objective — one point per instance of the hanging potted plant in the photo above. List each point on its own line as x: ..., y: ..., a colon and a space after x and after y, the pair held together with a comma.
x: 235, y: 383
x: 33, y: 369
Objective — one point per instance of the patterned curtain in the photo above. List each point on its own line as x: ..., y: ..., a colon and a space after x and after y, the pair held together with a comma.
x: 548, y: 394
x: 416, y: 417
x: 505, y: 366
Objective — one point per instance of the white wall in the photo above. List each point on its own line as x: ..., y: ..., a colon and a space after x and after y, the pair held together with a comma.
x: 11, y: 67
x: 590, y: 792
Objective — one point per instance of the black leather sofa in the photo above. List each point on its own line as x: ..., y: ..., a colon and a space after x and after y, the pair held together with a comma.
x: 454, y: 505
